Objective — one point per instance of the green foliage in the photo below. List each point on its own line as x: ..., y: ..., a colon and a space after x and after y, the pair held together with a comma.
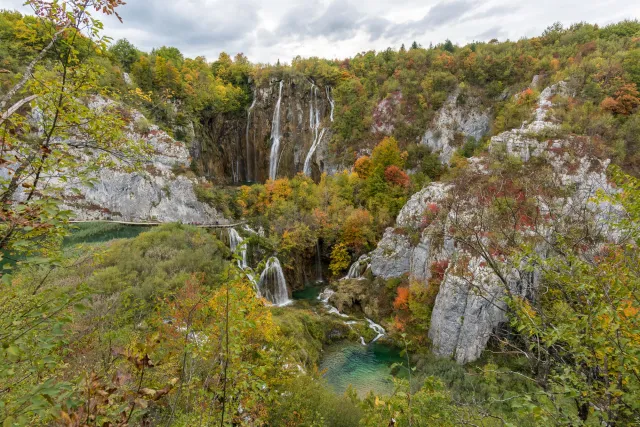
x: 218, y: 198
x: 125, y: 53
x: 308, y: 401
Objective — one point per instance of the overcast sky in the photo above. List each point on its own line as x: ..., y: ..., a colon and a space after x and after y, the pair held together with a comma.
x: 268, y: 30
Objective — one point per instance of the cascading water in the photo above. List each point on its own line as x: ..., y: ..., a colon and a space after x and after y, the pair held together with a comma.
x: 275, y: 137
x: 314, y: 124
x: 311, y: 104
x: 331, y: 101
x: 272, y: 284
x: 236, y: 243
x: 377, y: 329
x: 248, y: 159
x: 307, y: 162
x: 358, y: 268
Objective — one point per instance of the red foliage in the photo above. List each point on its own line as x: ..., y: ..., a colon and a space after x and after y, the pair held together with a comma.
x: 402, y: 299
x: 438, y: 268
x: 396, y: 176
x: 430, y: 214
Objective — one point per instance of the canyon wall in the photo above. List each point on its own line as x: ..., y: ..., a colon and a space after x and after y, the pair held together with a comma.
x: 232, y: 149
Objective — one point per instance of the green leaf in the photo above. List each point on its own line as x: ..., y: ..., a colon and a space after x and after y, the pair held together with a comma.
x: 13, y: 350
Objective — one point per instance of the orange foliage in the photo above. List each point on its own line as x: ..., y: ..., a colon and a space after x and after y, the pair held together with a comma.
x: 357, y: 232
x: 625, y: 102
x: 363, y: 167
x: 402, y: 299
x: 398, y: 324
x: 279, y: 189
x: 526, y: 96
x: 396, y: 176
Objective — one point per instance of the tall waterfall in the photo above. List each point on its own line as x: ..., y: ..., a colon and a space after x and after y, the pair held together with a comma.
x: 248, y: 159
x: 311, y: 105
x: 331, y: 101
x: 272, y: 284
x: 307, y: 162
x: 314, y: 125
x: 275, y: 136
x: 236, y: 242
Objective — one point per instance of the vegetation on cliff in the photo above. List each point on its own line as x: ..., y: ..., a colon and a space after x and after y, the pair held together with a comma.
x: 163, y: 328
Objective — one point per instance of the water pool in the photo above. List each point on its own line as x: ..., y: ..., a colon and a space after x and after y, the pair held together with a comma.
x: 366, y: 368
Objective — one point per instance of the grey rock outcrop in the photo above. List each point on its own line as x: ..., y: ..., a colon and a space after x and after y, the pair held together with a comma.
x: 154, y: 193
x: 384, y: 114
x: 470, y: 120
x: 470, y: 304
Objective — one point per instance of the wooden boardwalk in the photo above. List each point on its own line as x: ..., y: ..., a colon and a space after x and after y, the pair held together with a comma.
x: 155, y: 224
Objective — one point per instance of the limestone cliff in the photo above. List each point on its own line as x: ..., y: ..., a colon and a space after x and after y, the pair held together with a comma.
x: 155, y: 193
x: 237, y: 149
x: 449, y: 220
x: 454, y: 123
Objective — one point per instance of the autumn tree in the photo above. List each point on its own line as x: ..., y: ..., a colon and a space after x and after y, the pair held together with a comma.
x: 44, y: 152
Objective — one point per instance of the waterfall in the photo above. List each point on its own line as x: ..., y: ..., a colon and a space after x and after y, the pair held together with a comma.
x: 307, y: 162
x: 331, y: 101
x: 249, y: 229
x: 272, y: 284
x: 311, y: 115
x: 358, y: 268
x: 325, y: 295
x: 376, y: 328
x: 248, y: 159
x: 275, y: 136
x: 318, y: 263
x: 236, y: 242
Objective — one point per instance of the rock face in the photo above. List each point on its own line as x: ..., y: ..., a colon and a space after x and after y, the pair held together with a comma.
x: 155, y: 194
x: 395, y: 256
x: 229, y: 148
x: 470, y: 302
x: 384, y: 114
x: 455, y: 123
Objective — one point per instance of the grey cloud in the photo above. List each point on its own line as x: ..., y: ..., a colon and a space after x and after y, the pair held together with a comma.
x: 445, y: 12
x: 492, y: 12
x: 188, y: 25
x: 375, y: 27
x: 339, y: 21
x: 492, y: 33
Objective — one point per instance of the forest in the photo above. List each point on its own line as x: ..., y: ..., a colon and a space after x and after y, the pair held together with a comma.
x: 252, y: 315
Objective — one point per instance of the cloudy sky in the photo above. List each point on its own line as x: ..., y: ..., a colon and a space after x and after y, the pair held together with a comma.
x: 268, y: 30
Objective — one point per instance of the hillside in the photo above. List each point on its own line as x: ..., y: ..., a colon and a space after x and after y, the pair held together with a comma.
x: 452, y: 230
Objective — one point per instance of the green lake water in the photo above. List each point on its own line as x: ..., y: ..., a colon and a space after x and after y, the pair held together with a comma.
x: 99, y: 232
x: 366, y: 368
x: 310, y: 293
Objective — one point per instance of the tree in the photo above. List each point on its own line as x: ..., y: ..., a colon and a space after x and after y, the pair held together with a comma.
x: 448, y: 46
x: 125, y: 53
x: 44, y: 153
x: 172, y: 54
